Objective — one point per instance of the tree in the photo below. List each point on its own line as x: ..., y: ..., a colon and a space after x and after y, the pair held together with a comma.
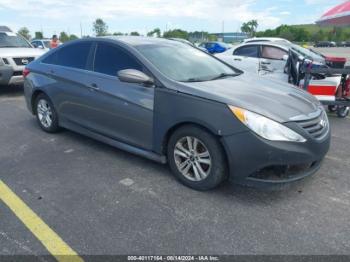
x: 100, y: 27
x: 64, y: 37
x: 155, y: 31
x: 318, y: 36
x: 176, y: 33
x: 118, y: 33
x: 250, y: 27
x: 73, y: 37
x: 23, y: 31
x: 39, y: 35
x: 135, y: 34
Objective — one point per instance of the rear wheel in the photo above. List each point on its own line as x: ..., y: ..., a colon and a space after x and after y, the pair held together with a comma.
x: 46, y: 114
x: 196, y: 158
x: 343, y: 111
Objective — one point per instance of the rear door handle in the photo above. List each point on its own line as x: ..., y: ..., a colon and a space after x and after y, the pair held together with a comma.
x: 237, y: 59
x: 265, y: 63
x: 94, y: 87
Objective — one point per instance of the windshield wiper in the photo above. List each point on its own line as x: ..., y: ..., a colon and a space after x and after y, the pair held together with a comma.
x: 194, y: 80
x: 223, y: 75
x: 11, y: 46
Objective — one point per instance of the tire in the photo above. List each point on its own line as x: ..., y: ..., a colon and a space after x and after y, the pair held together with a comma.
x: 332, y: 108
x: 208, y: 149
x: 343, y: 111
x: 46, y: 114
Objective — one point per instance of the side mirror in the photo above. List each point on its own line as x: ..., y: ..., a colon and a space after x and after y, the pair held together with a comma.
x: 134, y: 76
x: 285, y: 57
x: 40, y: 47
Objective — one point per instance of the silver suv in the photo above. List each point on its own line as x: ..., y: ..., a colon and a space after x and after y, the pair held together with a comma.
x: 15, y: 54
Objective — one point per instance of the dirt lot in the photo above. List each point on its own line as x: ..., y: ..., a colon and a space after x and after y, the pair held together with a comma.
x: 101, y: 200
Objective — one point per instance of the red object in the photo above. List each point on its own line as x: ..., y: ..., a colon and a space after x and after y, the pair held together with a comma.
x: 347, y: 87
x: 25, y: 72
x: 336, y: 59
x: 322, y: 90
x: 335, y: 62
x: 337, y: 16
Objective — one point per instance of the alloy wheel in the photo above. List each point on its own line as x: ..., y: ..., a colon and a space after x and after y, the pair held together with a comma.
x: 192, y: 158
x: 44, y: 113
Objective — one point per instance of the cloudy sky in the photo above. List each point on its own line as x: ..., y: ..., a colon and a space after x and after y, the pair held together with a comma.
x: 54, y: 16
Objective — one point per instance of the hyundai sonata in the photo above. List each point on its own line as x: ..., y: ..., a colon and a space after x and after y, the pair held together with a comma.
x: 170, y: 102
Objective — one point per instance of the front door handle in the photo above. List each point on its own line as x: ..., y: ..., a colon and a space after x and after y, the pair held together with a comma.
x: 237, y: 59
x: 265, y: 63
x: 94, y: 87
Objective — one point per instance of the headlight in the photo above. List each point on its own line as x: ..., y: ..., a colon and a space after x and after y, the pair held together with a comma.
x: 265, y: 127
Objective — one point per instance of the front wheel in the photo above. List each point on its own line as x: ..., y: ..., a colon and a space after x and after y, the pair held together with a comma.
x: 332, y: 108
x: 342, y: 111
x: 46, y: 114
x: 196, y: 158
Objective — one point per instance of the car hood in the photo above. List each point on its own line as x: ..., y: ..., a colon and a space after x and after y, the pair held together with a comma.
x: 20, y: 52
x: 273, y: 99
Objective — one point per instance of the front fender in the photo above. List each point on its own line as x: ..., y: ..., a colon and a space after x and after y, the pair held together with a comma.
x: 173, y: 108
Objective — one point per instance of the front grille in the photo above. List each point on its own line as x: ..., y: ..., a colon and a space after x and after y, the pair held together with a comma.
x: 6, y: 61
x: 17, y: 73
x: 316, y: 127
x: 23, y: 60
x: 280, y: 172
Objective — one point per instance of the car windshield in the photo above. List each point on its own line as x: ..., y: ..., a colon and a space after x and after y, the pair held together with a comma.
x: 306, y: 53
x: 47, y: 43
x: 9, y: 39
x: 185, y: 64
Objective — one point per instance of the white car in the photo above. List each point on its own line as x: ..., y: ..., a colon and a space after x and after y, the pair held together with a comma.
x: 15, y: 54
x: 41, y: 43
x: 273, y: 60
x: 262, y: 57
x: 256, y: 57
x: 266, y: 39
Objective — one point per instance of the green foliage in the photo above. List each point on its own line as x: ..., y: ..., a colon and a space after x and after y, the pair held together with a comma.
x: 24, y: 31
x: 73, y: 37
x: 135, y: 33
x: 176, y: 33
x: 100, y: 27
x: 155, y: 31
x: 39, y: 35
x: 307, y: 33
x: 250, y: 27
x: 118, y: 33
x: 64, y: 37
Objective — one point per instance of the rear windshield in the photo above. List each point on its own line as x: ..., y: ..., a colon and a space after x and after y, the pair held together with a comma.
x: 9, y: 39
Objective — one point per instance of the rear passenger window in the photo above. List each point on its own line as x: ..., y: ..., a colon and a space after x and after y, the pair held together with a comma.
x: 74, y: 55
x: 109, y: 59
x: 250, y: 51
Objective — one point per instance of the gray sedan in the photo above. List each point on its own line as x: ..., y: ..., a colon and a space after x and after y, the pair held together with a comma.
x: 170, y: 102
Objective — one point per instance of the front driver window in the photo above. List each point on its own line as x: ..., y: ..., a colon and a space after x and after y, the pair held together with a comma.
x: 110, y: 59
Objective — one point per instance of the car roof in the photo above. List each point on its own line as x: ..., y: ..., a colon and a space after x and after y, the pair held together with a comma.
x: 4, y: 28
x: 142, y: 40
x: 42, y: 39
x: 264, y: 39
x: 276, y: 44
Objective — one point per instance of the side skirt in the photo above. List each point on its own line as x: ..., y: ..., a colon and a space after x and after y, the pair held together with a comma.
x: 112, y: 142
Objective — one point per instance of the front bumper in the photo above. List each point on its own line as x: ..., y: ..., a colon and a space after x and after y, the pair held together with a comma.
x: 255, y: 161
x: 10, y: 75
